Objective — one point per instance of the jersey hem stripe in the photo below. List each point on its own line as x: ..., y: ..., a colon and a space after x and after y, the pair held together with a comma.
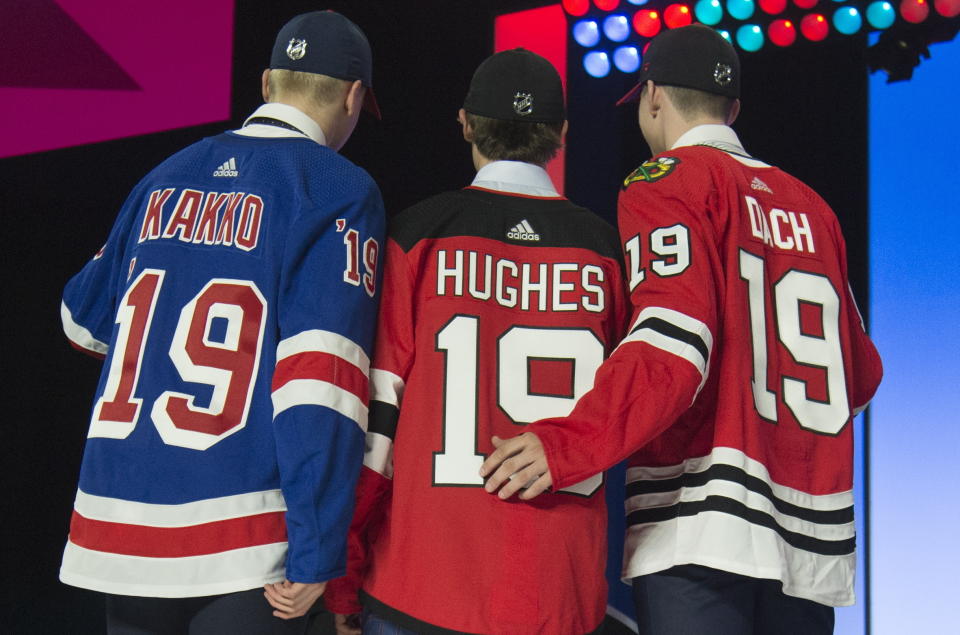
x: 117, y: 510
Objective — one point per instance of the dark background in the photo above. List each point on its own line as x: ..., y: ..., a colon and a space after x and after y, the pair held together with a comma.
x: 804, y: 110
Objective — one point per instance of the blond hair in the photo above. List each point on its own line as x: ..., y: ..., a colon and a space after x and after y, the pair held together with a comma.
x: 323, y: 89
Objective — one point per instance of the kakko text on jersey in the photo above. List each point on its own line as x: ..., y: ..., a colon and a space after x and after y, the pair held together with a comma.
x: 209, y: 218
x: 557, y: 286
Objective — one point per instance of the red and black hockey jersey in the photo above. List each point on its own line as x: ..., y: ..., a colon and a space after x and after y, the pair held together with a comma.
x: 497, y: 310
x: 736, y: 386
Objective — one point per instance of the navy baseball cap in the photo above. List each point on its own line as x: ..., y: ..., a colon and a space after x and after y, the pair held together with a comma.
x: 516, y: 85
x: 692, y: 56
x: 326, y: 43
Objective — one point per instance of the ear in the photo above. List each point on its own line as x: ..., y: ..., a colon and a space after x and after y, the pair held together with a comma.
x: 734, y: 112
x: 265, y: 84
x: 467, y: 130
x: 655, y: 99
x: 563, y: 131
x: 353, y: 101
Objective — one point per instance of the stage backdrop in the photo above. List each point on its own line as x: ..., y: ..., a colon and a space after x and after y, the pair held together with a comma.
x: 914, y: 434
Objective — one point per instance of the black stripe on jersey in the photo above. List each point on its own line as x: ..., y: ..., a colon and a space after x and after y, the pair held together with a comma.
x: 485, y: 214
x: 382, y: 418
x: 752, y: 483
x: 399, y: 618
x: 672, y: 330
x: 753, y: 516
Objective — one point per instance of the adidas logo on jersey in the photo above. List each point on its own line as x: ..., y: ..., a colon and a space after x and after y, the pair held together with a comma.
x: 229, y: 168
x: 523, y: 231
x: 757, y: 184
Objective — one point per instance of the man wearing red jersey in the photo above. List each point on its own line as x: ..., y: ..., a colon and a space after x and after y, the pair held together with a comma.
x: 733, y: 393
x: 500, y: 302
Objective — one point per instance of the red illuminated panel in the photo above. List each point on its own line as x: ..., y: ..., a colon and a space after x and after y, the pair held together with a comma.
x: 947, y: 8
x: 543, y: 31
x: 782, y: 32
x: 81, y: 72
x: 814, y: 27
x: 677, y: 15
x: 915, y: 11
x: 576, y: 7
x: 773, y: 7
x: 646, y: 23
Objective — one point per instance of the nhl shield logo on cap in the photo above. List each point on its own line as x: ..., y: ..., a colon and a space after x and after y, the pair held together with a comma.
x: 722, y: 74
x: 296, y: 49
x: 523, y: 104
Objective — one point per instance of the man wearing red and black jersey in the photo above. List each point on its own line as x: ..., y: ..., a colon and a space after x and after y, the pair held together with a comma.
x: 500, y: 301
x: 734, y: 391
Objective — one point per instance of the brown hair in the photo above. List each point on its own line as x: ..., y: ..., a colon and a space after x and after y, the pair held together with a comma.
x: 691, y: 102
x: 502, y: 140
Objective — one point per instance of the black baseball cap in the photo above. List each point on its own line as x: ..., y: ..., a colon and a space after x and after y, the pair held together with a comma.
x: 516, y: 85
x: 692, y: 56
x: 326, y: 43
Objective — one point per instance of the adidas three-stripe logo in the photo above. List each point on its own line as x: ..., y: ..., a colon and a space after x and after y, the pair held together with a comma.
x: 523, y: 231
x: 229, y: 168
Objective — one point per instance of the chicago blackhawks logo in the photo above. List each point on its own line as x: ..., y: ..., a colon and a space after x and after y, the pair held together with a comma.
x: 296, y: 49
x: 652, y: 170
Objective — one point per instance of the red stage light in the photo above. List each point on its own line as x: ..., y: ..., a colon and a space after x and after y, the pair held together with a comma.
x: 782, y: 32
x: 814, y: 27
x: 805, y: 4
x: 646, y: 23
x: 915, y: 11
x: 677, y: 15
x: 576, y: 7
x: 947, y: 8
x: 606, y: 5
x: 773, y: 7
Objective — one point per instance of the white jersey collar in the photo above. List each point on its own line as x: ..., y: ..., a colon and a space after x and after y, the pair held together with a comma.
x: 714, y: 135
x: 288, y: 115
x: 515, y: 177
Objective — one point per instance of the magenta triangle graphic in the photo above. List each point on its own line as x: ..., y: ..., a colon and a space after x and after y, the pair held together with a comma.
x: 52, y: 51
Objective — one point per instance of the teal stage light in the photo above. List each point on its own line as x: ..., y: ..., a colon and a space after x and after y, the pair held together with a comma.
x: 740, y: 9
x: 881, y: 15
x: 750, y: 37
x: 708, y: 11
x: 847, y: 20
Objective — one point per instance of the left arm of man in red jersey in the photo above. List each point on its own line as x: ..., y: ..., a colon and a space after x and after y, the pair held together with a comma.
x: 657, y: 371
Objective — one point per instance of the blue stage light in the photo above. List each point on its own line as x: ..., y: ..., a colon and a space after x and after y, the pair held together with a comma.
x: 708, y: 11
x: 616, y: 27
x: 740, y: 9
x: 847, y: 20
x: 627, y: 59
x: 881, y: 15
x: 586, y: 33
x: 750, y: 37
x: 726, y: 35
x: 596, y: 63
x: 638, y: 3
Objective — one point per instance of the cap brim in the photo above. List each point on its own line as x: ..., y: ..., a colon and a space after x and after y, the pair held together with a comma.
x: 370, y: 103
x: 632, y: 95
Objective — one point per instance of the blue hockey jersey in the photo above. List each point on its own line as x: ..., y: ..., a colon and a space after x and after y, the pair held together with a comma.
x: 235, y: 303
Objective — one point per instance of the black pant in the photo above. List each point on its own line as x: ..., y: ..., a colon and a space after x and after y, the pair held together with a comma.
x: 695, y: 600
x: 241, y: 613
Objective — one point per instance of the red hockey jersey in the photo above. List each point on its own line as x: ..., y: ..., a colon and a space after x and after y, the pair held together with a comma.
x: 497, y: 310
x: 735, y: 388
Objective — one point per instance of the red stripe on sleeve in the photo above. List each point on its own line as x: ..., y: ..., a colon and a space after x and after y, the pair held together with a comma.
x: 323, y: 367
x: 178, y: 542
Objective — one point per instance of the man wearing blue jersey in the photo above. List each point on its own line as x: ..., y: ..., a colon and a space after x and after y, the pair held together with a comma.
x: 234, y: 304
